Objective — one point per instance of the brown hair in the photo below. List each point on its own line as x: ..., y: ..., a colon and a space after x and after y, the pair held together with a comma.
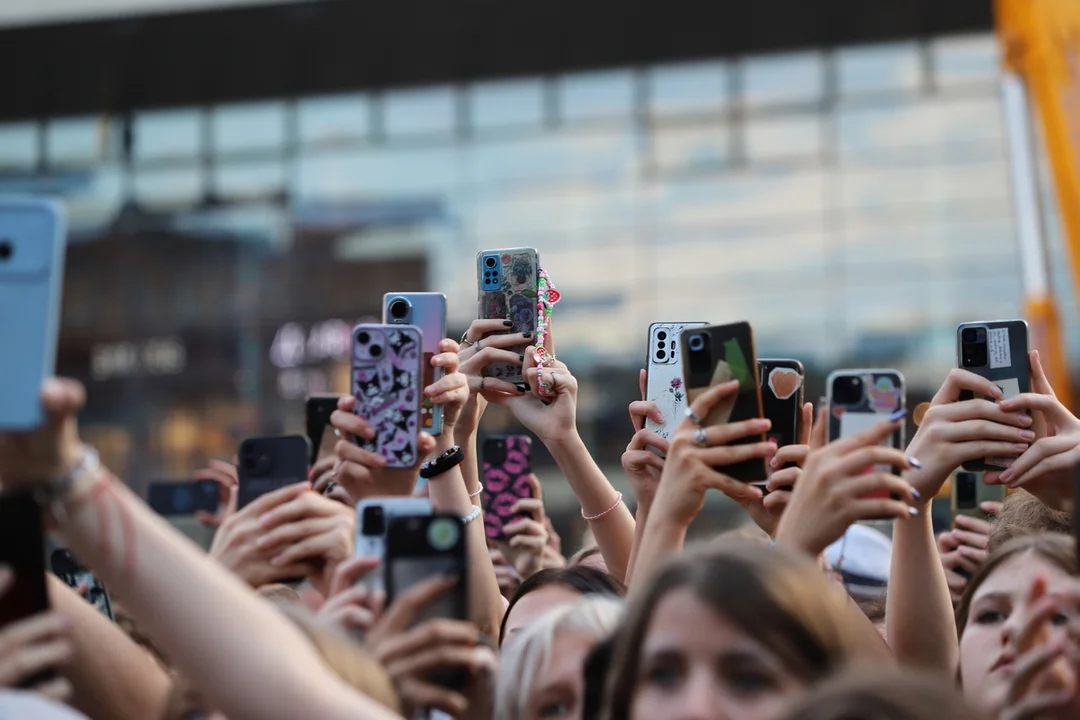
x: 1024, y: 514
x: 779, y: 598
x: 1055, y: 548
x: 893, y: 696
x: 280, y: 594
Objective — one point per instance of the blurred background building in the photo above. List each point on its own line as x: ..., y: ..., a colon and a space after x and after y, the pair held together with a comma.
x: 245, y: 182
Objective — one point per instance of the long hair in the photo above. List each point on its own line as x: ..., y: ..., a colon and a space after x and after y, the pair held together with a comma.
x: 584, y: 579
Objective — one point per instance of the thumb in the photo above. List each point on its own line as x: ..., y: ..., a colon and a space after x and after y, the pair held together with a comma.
x: 643, y: 379
x: 350, y: 571
x: 425, y: 444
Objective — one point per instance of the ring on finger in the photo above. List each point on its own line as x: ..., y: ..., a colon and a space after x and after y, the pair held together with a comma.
x: 693, y: 416
x: 465, y: 339
x: 482, y: 383
x: 477, y: 345
x: 701, y: 438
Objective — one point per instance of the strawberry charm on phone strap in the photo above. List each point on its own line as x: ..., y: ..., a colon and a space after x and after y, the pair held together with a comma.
x: 546, y: 297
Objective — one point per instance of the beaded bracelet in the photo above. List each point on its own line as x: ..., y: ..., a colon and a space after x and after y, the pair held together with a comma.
x: 474, y: 494
x: 590, y: 518
x: 473, y: 515
x: 546, y: 297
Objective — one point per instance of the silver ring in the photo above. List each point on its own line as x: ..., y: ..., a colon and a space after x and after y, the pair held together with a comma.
x: 701, y: 438
x: 693, y: 416
x: 482, y: 383
x: 465, y: 339
x: 477, y: 345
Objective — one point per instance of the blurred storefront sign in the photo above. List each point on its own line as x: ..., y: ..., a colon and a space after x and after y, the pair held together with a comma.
x: 157, y: 356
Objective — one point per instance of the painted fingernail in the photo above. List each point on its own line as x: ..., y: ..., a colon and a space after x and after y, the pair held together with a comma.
x: 527, y: 335
x: 508, y: 323
x: 914, y: 462
x: 774, y: 463
x: 913, y: 512
x: 1020, y: 446
x: 916, y: 494
x: 1027, y: 435
x: 523, y: 388
x: 898, y: 415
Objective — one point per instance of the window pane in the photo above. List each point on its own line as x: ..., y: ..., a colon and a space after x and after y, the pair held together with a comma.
x: 689, y: 88
x: 420, y: 112
x: 596, y: 95
x: 333, y: 119
x: 601, y: 155
x: 781, y: 79
x: 18, y: 145
x: 507, y: 104
x: 378, y: 173
x: 249, y: 180
x: 74, y: 140
x: 170, y: 133
x: 966, y: 60
x: 691, y: 148
x: 256, y: 126
x: 181, y: 186
x: 793, y: 137
x: 878, y: 67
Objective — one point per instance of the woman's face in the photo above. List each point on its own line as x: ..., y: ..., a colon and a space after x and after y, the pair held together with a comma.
x: 537, y: 603
x: 696, y: 665
x: 558, y: 692
x: 986, y: 662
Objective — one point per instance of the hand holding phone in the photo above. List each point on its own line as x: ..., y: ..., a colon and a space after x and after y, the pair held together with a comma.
x: 508, y: 281
x: 506, y: 470
x: 387, y: 377
x: 270, y: 463
x: 426, y: 311
x: 317, y: 412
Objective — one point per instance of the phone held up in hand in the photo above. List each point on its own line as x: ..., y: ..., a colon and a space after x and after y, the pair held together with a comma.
x: 506, y: 470
x: 426, y: 311
x: 373, y: 518
x: 714, y: 355
x: 664, y: 383
x: 860, y: 399
x: 386, y: 377
x: 317, y: 412
x: 969, y: 492
x: 509, y: 286
x: 997, y: 351
x: 183, y: 497
x: 270, y: 463
x: 782, y: 398
x: 419, y: 548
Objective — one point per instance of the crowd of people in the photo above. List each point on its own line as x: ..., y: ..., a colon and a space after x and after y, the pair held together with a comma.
x: 980, y: 622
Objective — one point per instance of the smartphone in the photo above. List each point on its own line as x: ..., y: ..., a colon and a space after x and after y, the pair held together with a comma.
x: 716, y: 354
x: 419, y: 548
x: 270, y: 463
x: 22, y: 548
x: 782, y: 398
x: 373, y: 517
x: 426, y: 311
x: 65, y: 566
x: 664, y: 369
x: 508, y: 289
x: 32, y: 245
x: 317, y: 412
x: 183, y: 497
x: 859, y: 399
x: 968, y: 491
x: 997, y: 351
x: 506, y: 469
x: 386, y: 379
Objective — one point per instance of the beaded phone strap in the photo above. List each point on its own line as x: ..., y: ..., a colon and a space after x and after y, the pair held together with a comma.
x: 546, y: 297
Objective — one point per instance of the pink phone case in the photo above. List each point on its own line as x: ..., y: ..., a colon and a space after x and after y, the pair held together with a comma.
x: 386, y: 383
x: 507, y: 466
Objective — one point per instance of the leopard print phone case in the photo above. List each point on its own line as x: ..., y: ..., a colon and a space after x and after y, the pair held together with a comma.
x: 507, y: 466
x: 386, y: 376
x: 508, y: 282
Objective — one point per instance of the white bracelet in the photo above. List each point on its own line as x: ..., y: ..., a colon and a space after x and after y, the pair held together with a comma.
x: 473, y: 515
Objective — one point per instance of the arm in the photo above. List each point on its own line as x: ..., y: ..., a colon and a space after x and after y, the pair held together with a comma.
x: 112, y: 677
x: 233, y: 652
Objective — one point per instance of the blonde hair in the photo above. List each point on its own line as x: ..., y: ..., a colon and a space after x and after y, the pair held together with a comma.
x: 526, y: 655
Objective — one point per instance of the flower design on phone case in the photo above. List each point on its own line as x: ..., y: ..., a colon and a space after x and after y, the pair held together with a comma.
x: 515, y: 301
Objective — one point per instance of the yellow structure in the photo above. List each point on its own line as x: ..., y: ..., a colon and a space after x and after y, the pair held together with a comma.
x: 1040, y: 40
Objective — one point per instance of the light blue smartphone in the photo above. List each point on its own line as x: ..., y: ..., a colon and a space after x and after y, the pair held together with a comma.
x: 32, y: 243
x: 426, y: 311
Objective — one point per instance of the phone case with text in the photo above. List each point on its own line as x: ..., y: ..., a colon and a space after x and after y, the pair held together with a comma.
x: 426, y: 311
x: 508, y: 282
x: 386, y: 379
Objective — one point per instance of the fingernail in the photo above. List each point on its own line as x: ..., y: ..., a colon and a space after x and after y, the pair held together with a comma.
x: 1027, y: 435
x: 521, y: 357
x: 311, y: 474
x: 263, y: 541
x: 278, y: 561
x: 1024, y: 420
x: 898, y: 415
x: 1020, y: 446
x: 659, y: 417
x: 913, y: 462
x: 988, y: 506
x: 1005, y: 474
x: 523, y: 388
x: 527, y: 335
x: 913, y: 512
x: 775, y: 462
x: 916, y: 494
x: 508, y: 323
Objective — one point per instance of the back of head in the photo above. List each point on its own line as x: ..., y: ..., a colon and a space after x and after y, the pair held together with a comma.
x: 585, y: 579
x: 529, y: 652
x: 888, y: 696
x: 1024, y: 514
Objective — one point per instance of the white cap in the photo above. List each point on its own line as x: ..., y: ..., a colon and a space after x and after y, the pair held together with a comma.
x: 21, y: 705
x: 862, y: 557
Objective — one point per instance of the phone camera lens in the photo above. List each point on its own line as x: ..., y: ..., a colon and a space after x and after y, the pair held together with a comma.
x: 969, y: 335
x: 662, y: 335
x: 374, y: 522
x: 697, y: 342
x: 399, y: 309
x: 6, y: 249
x: 375, y: 350
x: 660, y: 354
x: 489, y: 261
x: 363, y: 338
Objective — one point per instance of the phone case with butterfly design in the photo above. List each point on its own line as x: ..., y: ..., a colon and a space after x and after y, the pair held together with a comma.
x: 386, y: 376
x: 508, y: 290
x: 507, y: 466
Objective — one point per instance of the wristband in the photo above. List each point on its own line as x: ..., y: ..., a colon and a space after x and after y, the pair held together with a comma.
x: 445, y: 462
x: 52, y: 495
x: 472, y: 516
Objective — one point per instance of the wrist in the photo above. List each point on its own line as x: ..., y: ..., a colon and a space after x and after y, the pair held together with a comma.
x: 564, y: 441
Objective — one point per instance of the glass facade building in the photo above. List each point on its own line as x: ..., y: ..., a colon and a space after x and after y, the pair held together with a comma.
x: 853, y: 204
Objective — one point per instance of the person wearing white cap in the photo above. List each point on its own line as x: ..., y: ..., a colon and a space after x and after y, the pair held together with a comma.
x: 862, y: 558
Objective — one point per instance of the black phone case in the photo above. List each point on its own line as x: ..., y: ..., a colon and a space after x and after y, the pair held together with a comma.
x: 410, y: 552
x: 184, y: 497
x: 1011, y: 372
x: 269, y: 463
x: 728, y: 354
x: 317, y: 412
x: 22, y: 548
x: 782, y: 398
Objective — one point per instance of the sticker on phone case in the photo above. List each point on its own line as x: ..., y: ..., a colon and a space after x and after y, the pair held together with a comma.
x: 997, y: 341
x: 784, y: 382
x: 884, y: 395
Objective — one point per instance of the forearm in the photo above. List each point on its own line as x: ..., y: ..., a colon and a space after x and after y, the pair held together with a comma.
x: 470, y: 469
x: 644, y: 504
x: 919, y: 618
x: 660, y: 541
x: 449, y: 495
x: 614, y: 530
x: 113, y: 678
x: 225, y: 639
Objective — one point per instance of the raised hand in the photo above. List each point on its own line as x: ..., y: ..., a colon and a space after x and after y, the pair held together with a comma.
x: 52, y: 450
x: 553, y: 415
x: 964, y: 549
x: 224, y: 474
x: 527, y: 538
x: 350, y: 605
x: 33, y: 646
